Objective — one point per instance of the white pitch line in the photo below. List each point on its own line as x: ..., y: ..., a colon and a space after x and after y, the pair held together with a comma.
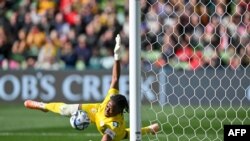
x: 46, y: 134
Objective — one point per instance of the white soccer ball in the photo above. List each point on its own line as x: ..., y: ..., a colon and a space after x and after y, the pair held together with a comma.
x: 79, y: 120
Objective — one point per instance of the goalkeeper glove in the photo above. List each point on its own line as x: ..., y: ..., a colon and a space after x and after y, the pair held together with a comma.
x: 117, y: 50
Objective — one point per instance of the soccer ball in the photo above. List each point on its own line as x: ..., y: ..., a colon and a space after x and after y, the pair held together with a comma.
x: 79, y: 120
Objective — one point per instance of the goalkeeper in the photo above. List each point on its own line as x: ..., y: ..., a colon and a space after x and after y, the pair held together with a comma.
x: 108, y: 115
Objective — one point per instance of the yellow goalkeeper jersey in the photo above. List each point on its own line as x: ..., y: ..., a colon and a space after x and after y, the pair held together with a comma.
x: 113, y: 126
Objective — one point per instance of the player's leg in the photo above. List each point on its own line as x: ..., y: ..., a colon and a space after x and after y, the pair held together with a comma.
x: 35, y: 105
x: 153, y: 129
x: 56, y: 107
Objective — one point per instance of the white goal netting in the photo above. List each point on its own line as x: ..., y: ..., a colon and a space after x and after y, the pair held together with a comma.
x: 196, y: 55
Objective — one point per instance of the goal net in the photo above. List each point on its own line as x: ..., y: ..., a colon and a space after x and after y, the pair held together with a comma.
x: 195, y: 67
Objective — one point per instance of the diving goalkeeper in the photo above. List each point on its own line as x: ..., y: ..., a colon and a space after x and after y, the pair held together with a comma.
x: 108, y: 115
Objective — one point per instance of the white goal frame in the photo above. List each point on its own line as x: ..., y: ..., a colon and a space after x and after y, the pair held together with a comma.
x: 134, y: 70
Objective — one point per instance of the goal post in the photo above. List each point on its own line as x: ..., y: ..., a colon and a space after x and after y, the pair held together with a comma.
x: 134, y: 70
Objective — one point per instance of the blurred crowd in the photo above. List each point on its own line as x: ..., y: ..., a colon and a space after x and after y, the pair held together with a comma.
x: 60, y: 34
x: 80, y: 34
x: 195, y: 34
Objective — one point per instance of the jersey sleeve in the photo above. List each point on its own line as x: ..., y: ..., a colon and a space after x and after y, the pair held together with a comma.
x: 114, y: 130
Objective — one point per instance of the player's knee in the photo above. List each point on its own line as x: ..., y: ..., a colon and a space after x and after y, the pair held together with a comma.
x: 68, y: 109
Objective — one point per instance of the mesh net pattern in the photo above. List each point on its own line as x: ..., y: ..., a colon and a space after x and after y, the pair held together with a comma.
x: 196, y: 56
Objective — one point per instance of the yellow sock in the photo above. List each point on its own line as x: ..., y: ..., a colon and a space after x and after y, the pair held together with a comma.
x: 144, y: 130
x: 54, y: 107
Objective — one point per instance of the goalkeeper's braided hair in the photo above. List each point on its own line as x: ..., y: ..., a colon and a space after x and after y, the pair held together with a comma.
x: 121, y: 102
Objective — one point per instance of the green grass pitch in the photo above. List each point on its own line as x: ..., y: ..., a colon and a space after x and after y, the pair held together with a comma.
x: 177, y: 123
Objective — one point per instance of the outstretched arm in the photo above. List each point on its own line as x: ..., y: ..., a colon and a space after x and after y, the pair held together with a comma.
x: 116, y: 66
